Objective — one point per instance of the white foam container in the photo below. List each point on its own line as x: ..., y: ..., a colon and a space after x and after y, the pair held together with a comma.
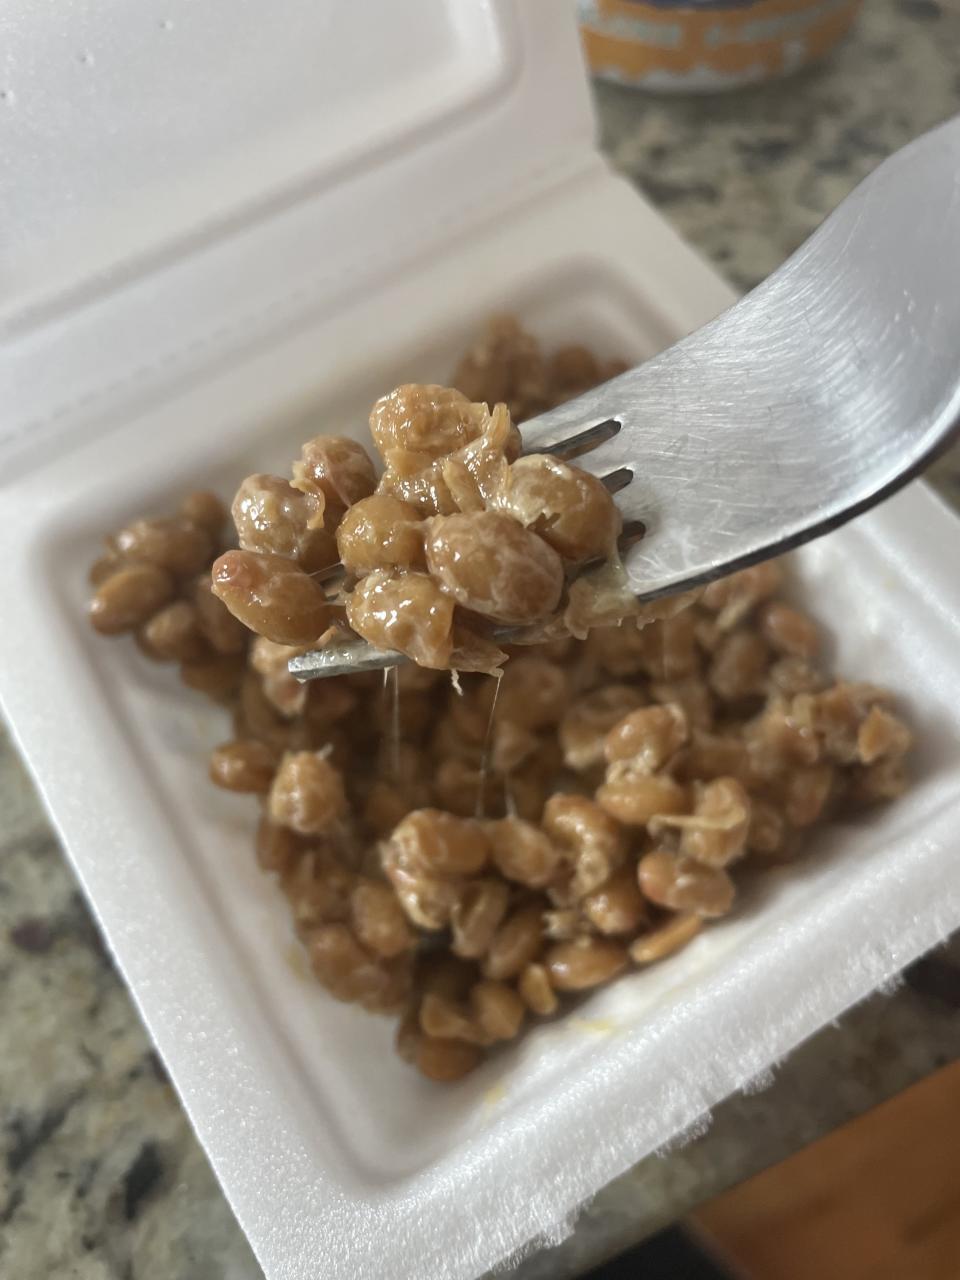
x: 215, y: 243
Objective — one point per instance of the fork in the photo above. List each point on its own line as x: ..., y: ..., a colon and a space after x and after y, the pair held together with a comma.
x: 815, y: 397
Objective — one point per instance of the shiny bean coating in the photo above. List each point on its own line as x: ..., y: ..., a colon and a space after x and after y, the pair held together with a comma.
x: 516, y: 944
x: 272, y: 596
x: 409, y: 614
x: 426, y: 420
x: 173, y: 634
x: 307, y: 793
x: 274, y: 518
x: 380, y: 532
x: 222, y: 631
x: 442, y: 844
x: 175, y: 544
x: 129, y: 598
x: 337, y: 469
x: 584, y: 963
x: 665, y: 939
x: 490, y: 564
x: 569, y: 508
x: 681, y: 884
x: 243, y: 766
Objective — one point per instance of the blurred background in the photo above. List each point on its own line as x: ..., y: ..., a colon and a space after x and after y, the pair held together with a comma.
x: 846, y: 1163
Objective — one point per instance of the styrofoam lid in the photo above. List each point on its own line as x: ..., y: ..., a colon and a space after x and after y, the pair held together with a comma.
x: 174, y: 169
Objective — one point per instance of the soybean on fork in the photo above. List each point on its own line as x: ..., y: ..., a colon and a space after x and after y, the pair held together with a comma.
x: 822, y: 392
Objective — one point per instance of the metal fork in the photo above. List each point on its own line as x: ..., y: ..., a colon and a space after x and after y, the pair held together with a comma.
x: 823, y: 391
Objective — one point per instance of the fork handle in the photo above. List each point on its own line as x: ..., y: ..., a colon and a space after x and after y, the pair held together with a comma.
x: 824, y: 390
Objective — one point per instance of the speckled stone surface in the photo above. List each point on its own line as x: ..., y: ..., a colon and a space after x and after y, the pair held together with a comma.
x: 100, y: 1175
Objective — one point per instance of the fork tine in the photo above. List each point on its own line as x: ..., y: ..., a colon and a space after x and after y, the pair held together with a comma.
x: 580, y: 442
x: 617, y: 480
x: 343, y: 659
x: 631, y: 533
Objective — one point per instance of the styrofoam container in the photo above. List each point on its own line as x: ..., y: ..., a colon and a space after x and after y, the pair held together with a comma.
x: 218, y: 242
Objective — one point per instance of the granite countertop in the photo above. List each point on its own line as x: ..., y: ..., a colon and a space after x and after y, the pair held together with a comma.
x: 101, y: 1177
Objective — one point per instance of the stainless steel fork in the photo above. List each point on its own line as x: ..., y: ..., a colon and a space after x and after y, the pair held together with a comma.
x: 823, y: 391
